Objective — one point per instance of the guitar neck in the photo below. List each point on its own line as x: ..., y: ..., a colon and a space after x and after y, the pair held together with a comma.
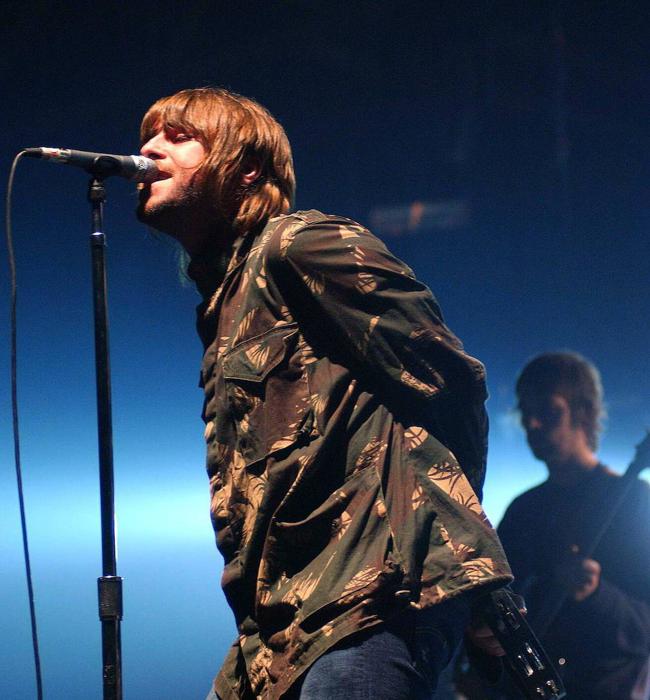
x: 628, y: 480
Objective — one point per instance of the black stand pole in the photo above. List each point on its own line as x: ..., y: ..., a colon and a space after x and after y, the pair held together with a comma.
x: 109, y: 584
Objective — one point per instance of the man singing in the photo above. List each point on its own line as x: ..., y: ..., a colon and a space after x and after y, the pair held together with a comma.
x: 345, y: 425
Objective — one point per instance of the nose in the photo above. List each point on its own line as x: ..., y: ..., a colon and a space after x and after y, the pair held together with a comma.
x: 153, y: 148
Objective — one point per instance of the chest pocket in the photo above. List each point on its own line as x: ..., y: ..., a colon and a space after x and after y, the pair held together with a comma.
x: 268, y: 393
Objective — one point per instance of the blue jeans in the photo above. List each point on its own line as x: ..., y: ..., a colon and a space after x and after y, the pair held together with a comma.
x: 396, y: 661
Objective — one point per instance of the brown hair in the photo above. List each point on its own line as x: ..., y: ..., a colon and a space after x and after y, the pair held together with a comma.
x: 233, y: 130
x: 573, y: 377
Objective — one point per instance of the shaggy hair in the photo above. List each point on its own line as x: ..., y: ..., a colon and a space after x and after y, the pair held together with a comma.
x: 235, y: 132
x: 573, y: 377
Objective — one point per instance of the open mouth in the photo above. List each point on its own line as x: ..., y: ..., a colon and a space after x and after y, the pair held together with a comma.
x: 161, y: 175
x: 146, y: 186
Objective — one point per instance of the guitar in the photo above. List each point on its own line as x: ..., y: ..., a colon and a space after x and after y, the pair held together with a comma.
x: 527, y: 663
x: 640, y: 462
x: 529, y: 666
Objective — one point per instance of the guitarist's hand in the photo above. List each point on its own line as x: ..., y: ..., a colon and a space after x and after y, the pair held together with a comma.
x: 587, y: 579
x: 581, y: 577
x: 483, y: 639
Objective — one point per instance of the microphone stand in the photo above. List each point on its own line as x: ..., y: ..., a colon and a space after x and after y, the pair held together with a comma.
x: 109, y: 584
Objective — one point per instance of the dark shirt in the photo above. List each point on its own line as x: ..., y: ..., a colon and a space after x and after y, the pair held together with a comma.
x: 346, y: 437
x: 604, y: 640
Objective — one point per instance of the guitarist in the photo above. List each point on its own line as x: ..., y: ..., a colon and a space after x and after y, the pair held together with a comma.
x: 600, y: 635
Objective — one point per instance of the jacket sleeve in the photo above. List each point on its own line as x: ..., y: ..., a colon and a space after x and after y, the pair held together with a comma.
x: 364, y: 308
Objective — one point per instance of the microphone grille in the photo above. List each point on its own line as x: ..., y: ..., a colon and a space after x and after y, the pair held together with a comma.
x: 146, y: 169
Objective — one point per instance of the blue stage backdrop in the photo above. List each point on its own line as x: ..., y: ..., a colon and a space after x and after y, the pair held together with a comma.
x: 504, y: 161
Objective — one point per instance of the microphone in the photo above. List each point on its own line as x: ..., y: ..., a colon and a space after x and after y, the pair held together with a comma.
x: 136, y: 168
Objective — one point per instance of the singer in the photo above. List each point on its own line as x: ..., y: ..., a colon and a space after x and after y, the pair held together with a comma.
x: 345, y: 424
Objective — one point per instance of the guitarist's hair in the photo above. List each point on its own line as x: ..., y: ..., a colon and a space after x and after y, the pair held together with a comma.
x: 573, y: 377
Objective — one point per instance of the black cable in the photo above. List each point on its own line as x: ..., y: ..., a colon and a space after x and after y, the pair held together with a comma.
x: 14, y: 404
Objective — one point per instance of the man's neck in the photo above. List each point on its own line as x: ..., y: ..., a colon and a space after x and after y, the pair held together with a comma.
x: 207, y: 242
x: 208, y: 265
x: 573, y: 470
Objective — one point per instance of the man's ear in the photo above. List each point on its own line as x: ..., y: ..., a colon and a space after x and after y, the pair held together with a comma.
x: 251, y: 170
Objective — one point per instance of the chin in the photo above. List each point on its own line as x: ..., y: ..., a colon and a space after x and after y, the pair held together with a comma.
x: 542, y: 452
x: 140, y: 212
x: 157, y: 217
x: 144, y: 214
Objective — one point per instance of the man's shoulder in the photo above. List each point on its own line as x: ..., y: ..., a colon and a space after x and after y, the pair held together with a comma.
x: 610, y: 482
x: 522, y: 517
x: 634, y: 490
x: 304, y: 234
x: 308, y: 217
x: 289, y: 225
x: 524, y: 501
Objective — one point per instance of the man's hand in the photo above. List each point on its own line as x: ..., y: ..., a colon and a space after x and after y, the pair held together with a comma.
x: 581, y: 578
x: 481, y: 636
x: 483, y: 639
x: 587, y: 579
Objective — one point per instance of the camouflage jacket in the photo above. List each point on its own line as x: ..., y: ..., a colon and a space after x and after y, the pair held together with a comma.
x: 346, y: 438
